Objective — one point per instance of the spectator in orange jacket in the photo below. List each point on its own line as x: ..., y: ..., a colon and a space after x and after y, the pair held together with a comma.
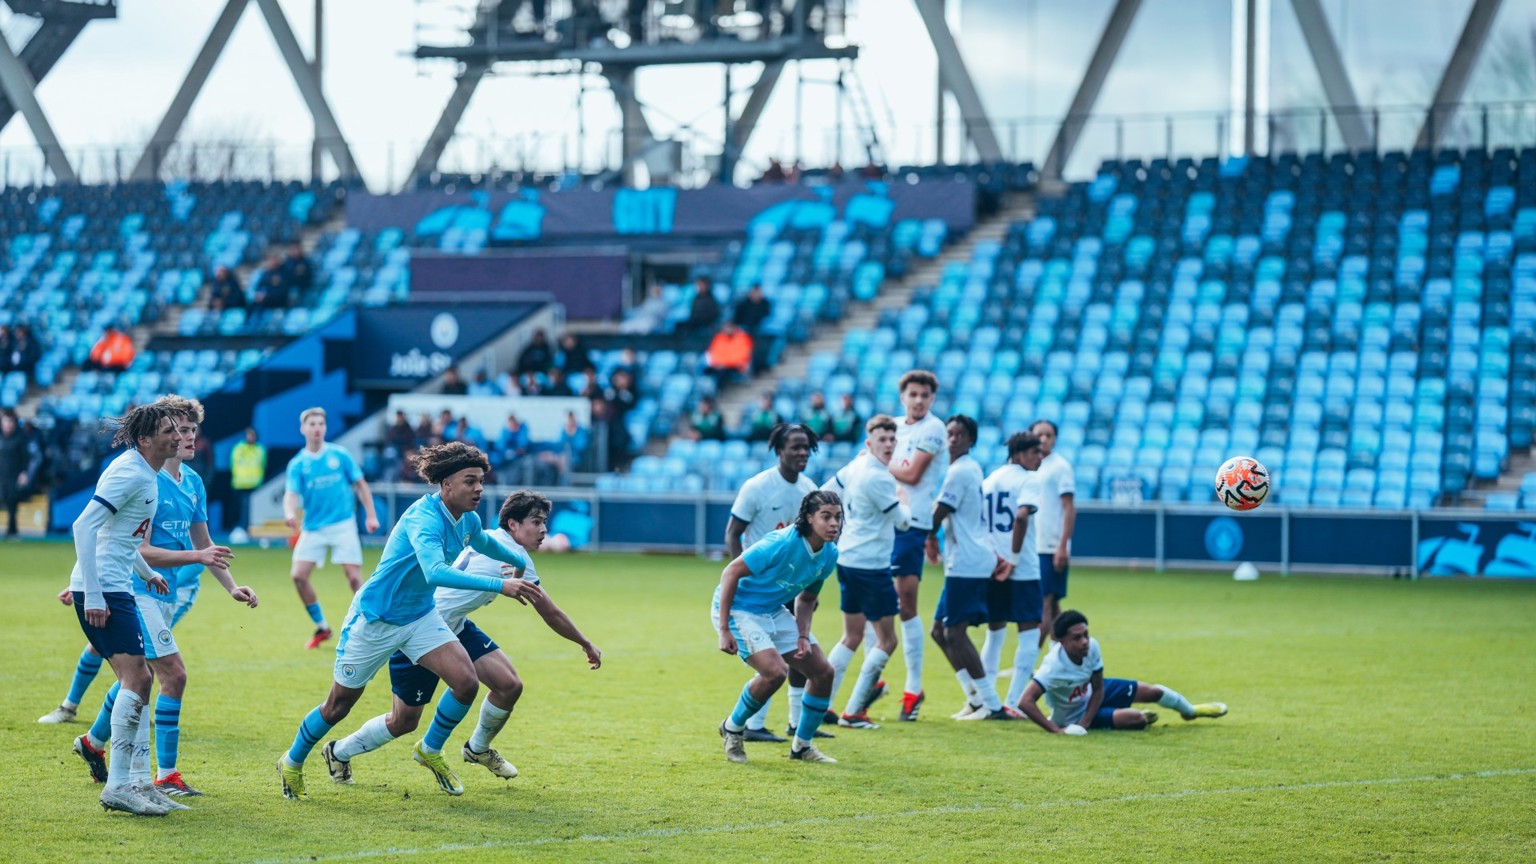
x: 113, y: 352
x: 730, y: 354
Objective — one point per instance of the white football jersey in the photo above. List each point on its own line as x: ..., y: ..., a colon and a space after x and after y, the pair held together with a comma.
x: 768, y: 502
x: 928, y: 436
x: 872, y: 513
x: 455, y: 604
x: 123, y: 506
x: 1066, y: 683
x: 1008, y: 489
x: 967, y: 544
x: 1056, y: 480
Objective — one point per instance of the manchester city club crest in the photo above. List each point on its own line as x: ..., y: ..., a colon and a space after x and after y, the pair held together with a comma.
x: 163, y: 637
x: 348, y: 671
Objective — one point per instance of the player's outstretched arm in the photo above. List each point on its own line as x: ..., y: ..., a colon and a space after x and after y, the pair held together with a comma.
x: 208, y: 556
x: 1094, y: 701
x: 1030, y: 705
x: 241, y: 593
x: 491, y: 547
x: 805, y: 607
x: 291, y: 509
x: 556, y: 619
x: 734, y: 529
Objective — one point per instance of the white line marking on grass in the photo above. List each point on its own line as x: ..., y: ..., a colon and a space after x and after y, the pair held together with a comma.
x: 655, y: 833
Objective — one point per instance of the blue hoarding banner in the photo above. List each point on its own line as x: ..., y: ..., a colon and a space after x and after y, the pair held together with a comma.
x: 1222, y: 537
x: 1460, y: 547
x: 402, y: 346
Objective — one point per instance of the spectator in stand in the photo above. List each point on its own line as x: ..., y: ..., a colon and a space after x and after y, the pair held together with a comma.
x: 298, y: 272
x: 628, y: 362
x: 619, y: 399
x: 453, y: 383
x: 5, y: 349
x: 571, y: 454
x: 425, y: 431
x: 871, y: 171
x: 537, y: 357
x: 399, y: 439
x: 774, y: 174
x: 761, y: 422
x: 704, y: 314
x: 20, y: 457
x: 467, y: 432
x: 248, y: 470
x: 649, y: 317
x: 557, y: 385
x: 835, y: 172
x: 506, y: 384
x: 847, y: 425
x: 272, y: 290
x: 818, y: 419
x: 225, y: 291
x: 752, y: 311
x: 730, y: 355
x: 113, y: 352
x: 511, y: 448
x: 24, y: 352
x: 528, y: 384
x: 706, y: 423
x: 572, y: 357
x: 484, y: 385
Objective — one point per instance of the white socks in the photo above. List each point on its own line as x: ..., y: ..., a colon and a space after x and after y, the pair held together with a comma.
x: 987, y: 691
x: 869, y: 673
x: 968, y: 686
x: 1172, y: 699
x: 992, y: 652
x: 127, y: 716
x: 912, y: 650
x: 796, y: 701
x: 373, y: 735
x: 840, y: 656
x: 491, y: 721
x: 1024, y: 658
x: 138, y: 769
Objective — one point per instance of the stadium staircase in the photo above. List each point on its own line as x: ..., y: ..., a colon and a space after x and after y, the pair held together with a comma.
x: 737, y: 399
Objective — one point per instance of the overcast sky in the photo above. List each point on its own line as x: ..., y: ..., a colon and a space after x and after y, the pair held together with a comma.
x: 118, y: 77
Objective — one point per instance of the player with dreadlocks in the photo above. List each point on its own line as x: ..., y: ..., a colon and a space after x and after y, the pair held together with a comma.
x: 768, y: 502
x: 394, y: 610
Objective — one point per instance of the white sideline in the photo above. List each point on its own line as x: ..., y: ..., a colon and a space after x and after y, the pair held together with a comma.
x: 904, y: 814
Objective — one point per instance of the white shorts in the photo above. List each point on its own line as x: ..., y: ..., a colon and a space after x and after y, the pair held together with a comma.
x: 755, y: 632
x: 340, y: 538
x: 366, y: 646
x: 186, y: 595
x: 155, y: 621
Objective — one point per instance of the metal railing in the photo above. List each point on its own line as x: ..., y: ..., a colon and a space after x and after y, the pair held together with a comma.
x: 386, y: 166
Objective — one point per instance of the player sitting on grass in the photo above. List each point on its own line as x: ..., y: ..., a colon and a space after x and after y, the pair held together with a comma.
x: 523, y: 521
x: 749, y: 616
x: 1073, y: 683
x: 395, y: 611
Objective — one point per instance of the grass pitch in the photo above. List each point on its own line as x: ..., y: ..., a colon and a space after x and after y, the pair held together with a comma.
x: 1371, y: 720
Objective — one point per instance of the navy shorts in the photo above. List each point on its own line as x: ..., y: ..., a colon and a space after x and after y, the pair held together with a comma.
x: 907, y: 554
x: 963, y: 603
x: 1052, y: 582
x: 123, y: 633
x: 415, y: 684
x: 870, y: 593
x: 1016, y: 601
x: 1118, y: 693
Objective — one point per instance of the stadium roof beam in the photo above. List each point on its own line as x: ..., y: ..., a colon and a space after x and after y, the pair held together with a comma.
x: 463, y: 89
x: 957, y: 80
x: 61, y: 23
x: 638, y: 138
x: 1332, y: 72
x: 1081, y: 109
x: 1458, y: 70
x: 327, y: 131
x: 669, y: 54
x: 20, y: 88
x: 745, y: 122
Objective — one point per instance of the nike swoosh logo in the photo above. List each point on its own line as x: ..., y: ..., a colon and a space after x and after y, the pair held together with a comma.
x: 488, y: 643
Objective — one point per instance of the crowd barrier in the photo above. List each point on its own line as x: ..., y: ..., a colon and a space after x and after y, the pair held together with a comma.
x: 1285, y: 540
